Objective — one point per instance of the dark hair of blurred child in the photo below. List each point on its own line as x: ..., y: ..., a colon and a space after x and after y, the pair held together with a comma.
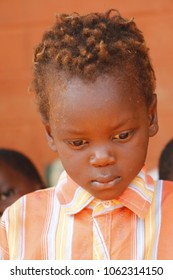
x: 18, y: 176
x: 166, y: 162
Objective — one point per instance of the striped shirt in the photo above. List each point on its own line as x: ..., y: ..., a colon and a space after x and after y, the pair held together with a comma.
x: 67, y: 222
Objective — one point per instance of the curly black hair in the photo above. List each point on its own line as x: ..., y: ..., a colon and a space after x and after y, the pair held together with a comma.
x: 22, y: 164
x: 166, y: 162
x: 90, y: 45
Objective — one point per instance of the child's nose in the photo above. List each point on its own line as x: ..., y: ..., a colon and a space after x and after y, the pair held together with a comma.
x: 102, y: 157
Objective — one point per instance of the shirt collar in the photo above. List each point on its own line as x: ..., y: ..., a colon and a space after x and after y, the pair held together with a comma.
x: 71, y: 196
x: 137, y: 197
x: 139, y: 194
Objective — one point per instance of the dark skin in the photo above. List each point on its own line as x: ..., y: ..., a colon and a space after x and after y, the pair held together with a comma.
x: 101, y: 131
x: 13, y: 185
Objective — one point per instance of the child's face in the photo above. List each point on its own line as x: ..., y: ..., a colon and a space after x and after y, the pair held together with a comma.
x: 12, y: 186
x: 101, y: 132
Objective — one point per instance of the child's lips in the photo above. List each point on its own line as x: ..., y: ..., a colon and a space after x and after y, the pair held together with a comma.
x: 106, y: 182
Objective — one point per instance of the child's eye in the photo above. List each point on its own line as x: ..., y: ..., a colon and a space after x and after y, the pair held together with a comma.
x: 7, y: 194
x: 77, y: 143
x: 123, y: 136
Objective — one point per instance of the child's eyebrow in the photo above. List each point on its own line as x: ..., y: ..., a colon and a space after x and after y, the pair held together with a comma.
x: 117, y: 126
x: 76, y: 132
x: 113, y: 127
x: 122, y: 123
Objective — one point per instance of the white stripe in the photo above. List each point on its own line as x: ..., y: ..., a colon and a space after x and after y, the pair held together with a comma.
x: 62, y: 236
x: 46, y: 225
x: 51, y: 235
x: 69, y: 220
x: 75, y: 205
x: 100, y: 240
x: 24, y: 227
x: 68, y: 250
x: 14, y: 234
x: 159, y: 189
x: 140, y: 193
x: 60, y: 184
x: 5, y: 219
x: 149, y: 187
x: 21, y: 233
x: 133, y: 236
x: 104, y: 211
x: 140, y: 239
x: 1, y: 255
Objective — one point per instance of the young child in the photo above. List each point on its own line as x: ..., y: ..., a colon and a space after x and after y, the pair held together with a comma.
x: 95, y: 88
x: 18, y: 176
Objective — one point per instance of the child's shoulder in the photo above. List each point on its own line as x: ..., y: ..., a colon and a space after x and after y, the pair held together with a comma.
x: 40, y: 196
x: 36, y: 200
x: 41, y: 192
x: 33, y: 205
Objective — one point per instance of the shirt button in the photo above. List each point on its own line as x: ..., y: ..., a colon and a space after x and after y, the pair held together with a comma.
x: 107, y: 204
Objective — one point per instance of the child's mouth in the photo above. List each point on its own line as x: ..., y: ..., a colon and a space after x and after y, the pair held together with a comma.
x: 106, y: 182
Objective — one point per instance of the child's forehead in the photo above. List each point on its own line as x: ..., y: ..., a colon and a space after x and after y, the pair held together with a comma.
x: 109, y: 85
x: 77, y: 98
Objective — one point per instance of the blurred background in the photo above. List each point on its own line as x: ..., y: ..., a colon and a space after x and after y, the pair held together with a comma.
x: 22, y: 23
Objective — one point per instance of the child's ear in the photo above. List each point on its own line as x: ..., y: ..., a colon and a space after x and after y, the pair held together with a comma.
x: 49, y: 135
x: 50, y: 138
x: 48, y: 131
x: 152, y: 114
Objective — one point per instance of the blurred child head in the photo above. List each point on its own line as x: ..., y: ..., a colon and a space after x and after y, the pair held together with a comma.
x: 166, y: 162
x: 94, y: 85
x: 18, y: 176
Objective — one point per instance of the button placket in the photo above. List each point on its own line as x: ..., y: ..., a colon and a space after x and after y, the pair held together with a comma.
x: 107, y: 203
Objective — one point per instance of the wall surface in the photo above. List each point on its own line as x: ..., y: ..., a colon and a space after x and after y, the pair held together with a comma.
x: 22, y: 23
